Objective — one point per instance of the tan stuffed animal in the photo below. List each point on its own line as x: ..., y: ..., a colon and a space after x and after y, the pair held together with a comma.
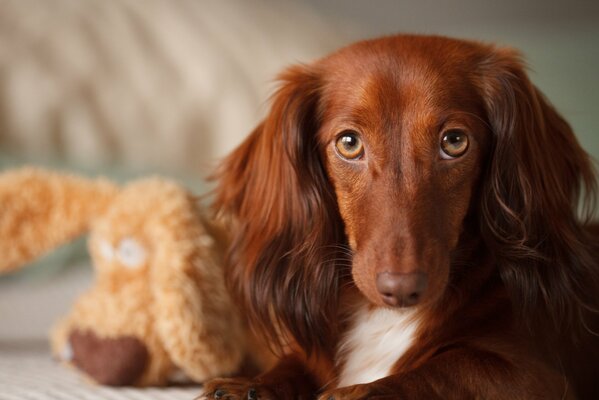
x: 158, y: 306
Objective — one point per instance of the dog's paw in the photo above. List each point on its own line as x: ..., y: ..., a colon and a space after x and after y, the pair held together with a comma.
x: 235, y: 389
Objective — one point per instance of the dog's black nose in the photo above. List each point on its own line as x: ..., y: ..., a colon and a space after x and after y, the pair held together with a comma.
x: 401, y: 290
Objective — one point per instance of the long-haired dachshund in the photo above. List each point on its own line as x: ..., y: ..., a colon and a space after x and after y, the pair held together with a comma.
x: 408, y: 224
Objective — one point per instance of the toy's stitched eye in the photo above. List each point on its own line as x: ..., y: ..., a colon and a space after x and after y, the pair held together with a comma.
x: 349, y: 145
x: 131, y: 253
x: 106, y: 250
x: 454, y: 144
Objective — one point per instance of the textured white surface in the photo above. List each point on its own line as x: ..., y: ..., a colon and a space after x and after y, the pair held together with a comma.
x: 30, y: 306
x: 27, y: 372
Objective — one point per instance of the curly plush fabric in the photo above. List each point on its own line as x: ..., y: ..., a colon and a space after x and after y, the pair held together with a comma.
x: 158, y: 305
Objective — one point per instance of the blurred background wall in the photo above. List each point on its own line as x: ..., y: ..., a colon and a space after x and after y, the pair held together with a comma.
x: 131, y: 87
x: 158, y: 85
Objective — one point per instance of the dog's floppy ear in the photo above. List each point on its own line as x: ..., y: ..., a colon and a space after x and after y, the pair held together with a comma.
x: 536, y: 175
x: 275, y: 187
x: 194, y: 316
x: 40, y: 210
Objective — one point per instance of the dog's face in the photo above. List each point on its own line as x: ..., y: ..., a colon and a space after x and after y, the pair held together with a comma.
x: 409, y: 149
x: 403, y: 135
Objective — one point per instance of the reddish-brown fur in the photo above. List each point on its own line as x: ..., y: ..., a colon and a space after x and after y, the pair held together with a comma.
x: 509, y: 311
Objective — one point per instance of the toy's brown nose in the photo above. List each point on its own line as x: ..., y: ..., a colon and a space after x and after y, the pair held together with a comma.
x: 401, y: 290
x: 109, y: 361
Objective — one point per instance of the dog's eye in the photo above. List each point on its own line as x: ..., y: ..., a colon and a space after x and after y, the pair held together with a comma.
x: 454, y: 144
x: 349, y: 145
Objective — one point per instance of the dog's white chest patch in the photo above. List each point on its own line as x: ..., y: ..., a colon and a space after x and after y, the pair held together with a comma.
x: 374, y: 343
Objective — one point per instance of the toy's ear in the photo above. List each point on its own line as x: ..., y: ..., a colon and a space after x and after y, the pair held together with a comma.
x: 40, y: 210
x: 195, y: 319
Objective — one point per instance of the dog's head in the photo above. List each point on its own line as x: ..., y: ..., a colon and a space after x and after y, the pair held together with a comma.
x: 377, y: 160
x: 403, y: 137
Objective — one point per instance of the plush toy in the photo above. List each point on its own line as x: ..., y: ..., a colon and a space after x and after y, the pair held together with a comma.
x: 158, y: 307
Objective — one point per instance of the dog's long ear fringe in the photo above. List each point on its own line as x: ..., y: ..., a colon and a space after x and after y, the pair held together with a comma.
x: 538, y: 177
x: 286, y: 222
x: 187, y: 283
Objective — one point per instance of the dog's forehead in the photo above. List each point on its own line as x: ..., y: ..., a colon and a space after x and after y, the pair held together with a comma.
x: 397, y: 81
x: 389, y: 74
x: 430, y: 52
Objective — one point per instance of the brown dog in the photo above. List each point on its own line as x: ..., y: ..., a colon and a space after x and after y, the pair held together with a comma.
x: 406, y: 227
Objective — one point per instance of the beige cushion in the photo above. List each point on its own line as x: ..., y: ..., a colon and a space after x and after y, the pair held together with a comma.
x: 169, y: 84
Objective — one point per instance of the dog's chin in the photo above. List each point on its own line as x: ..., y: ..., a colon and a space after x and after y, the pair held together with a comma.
x: 427, y: 301
x: 379, y: 302
x: 368, y: 293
